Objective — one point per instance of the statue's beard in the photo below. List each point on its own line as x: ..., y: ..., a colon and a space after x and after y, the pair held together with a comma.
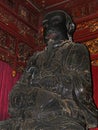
x: 51, y: 35
x: 55, y: 34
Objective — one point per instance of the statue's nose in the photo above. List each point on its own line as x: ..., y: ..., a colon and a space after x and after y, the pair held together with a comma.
x: 51, y: 34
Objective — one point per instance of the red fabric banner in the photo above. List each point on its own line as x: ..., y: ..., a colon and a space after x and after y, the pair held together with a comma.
x: 6, y: 84
x: 95, y: 86
x: 95, y: 83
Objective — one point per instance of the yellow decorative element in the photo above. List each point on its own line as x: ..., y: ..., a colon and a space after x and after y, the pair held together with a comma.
x: 94, y: 62
x: 92, y: 46
x: 13, y: 73
x: 23, y: 13
x: 92, y: 25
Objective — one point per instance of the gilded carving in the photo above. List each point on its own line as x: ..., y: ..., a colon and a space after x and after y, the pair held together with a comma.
x: 23, y: 13
x: 3, y: 37
x: 92, y: 45
x: 94, y: 62
x: 93, y: 48
x: 9, y: 53
x: 24, y: 51
x: 7, y: 19
x: 7, y: 42
x: 92, y: 25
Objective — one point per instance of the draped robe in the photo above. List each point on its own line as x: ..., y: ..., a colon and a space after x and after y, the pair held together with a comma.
x: 55, y: 91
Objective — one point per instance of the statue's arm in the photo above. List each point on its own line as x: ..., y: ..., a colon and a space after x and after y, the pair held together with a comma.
x: 81, y: 75
x: 78, y: 62
x: 29, y: 71
x: 83, y: 62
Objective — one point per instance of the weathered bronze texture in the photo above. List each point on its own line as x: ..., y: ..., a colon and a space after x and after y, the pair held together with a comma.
x: 55, y: 90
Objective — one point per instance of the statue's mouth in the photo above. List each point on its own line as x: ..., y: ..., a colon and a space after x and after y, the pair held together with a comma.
x: 51, y: 36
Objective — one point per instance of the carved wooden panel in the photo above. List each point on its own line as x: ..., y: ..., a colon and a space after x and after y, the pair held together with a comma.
x: 13, y: 51
x: 17, y: 33
x: 7, y: 41
x: 93, y: 48
x: 10, y: 3
x: 24, y: 52
x: 23, y: 12
x: 92, y: 25
x: 84, y: 9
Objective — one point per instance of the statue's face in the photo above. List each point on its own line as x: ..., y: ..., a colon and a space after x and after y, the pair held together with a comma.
x: 55, y: 28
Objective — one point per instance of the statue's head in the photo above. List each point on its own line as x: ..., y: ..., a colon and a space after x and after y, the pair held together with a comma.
x: 58, y: 26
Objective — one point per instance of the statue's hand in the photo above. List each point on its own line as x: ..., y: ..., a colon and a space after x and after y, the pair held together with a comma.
x: 32, y: 71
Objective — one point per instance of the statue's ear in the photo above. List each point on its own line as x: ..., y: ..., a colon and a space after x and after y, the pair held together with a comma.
x: 45, y: 23
x: 70, y: 27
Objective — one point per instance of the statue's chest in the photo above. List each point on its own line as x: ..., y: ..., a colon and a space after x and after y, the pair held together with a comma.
x: 51, y: 71
x: 50, y: 61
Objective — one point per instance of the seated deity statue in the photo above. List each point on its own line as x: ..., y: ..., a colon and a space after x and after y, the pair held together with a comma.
x: 55, y: 90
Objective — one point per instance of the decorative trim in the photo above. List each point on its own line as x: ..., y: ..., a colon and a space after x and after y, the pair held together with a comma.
x: 92, y: 25
x: 93, y: 48
x: 92, y: 45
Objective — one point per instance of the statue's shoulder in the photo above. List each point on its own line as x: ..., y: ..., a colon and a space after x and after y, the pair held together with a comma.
x: 72, y: 45
x: 80, y: 46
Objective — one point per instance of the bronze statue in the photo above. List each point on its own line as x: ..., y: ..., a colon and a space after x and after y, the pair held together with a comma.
x: 55, y: 90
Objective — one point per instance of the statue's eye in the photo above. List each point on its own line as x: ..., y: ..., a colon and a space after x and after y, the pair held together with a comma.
x: 56, y: 20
